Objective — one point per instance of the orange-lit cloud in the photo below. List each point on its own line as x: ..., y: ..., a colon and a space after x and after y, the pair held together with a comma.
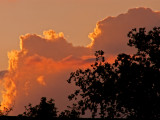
x: 41, y: 81
x: 44, y: 62
x: 51, y: 45
x: 41, y: 68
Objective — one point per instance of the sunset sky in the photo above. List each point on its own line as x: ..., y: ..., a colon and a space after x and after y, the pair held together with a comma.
x: 42, y: 41
x: 75, y: 18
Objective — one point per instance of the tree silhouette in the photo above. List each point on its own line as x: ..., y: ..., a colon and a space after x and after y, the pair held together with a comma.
x: 45, y: 110
x: 127, y: 88
x: 91, y: 86
x: 139, y: 75
x: 73, y: 113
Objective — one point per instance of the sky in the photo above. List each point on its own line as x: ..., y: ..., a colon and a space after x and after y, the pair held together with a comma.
x: 42, y: 41
x: 75, y: 18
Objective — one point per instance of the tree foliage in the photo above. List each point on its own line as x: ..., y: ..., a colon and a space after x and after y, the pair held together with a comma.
x: 45, y: 110
x: 127, y: 88
x: 72, y: 113
x: 91, y: 83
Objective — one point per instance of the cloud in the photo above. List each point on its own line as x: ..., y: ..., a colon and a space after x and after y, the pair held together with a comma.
x: 110, y: 33
x: 41, y: 68
x: 44, y: 62
x: 51, y: 45
x: 41, y: 81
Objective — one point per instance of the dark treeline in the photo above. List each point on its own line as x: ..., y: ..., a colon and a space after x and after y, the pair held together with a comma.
x: 33, y: 118
x: 129, y: 88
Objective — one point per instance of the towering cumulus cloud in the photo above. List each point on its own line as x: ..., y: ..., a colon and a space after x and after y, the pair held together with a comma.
x: 110, y: 34
x: 41, y: 68
x: 44, y: 63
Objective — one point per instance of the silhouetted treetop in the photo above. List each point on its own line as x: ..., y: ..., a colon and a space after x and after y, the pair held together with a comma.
x: 45, y: 110
x: 127, y: 88
x: 91, y: 86
x: 148, y: 44
x: 72, y: 113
